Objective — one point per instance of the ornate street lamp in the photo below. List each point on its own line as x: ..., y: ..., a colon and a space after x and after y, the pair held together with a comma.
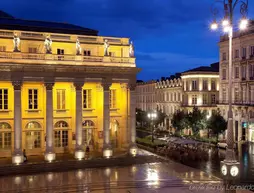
x: 152, y: 115
x: 230, y: 166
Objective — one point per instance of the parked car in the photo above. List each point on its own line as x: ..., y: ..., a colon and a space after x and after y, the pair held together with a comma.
x: 222, y: 144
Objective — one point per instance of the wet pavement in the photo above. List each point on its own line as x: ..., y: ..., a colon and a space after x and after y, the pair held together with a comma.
x: 144, y: 178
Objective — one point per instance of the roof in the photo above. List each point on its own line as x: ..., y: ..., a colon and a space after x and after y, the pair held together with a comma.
x: 10, y: 23
x: 212, y: 68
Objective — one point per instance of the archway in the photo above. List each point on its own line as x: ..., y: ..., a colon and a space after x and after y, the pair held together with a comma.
x: 61, y: 135
x: 5, y: 136
x: 88, y: 128
x: 114, y: 133
x: 33, y: 134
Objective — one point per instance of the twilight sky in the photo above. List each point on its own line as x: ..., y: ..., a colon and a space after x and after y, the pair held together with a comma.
x: 169, y: 35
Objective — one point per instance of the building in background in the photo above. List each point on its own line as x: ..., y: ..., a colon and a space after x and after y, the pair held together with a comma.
x: 243, y: 82
x: 63, y: 88
x: 169, y: 93
x: 146, y: 95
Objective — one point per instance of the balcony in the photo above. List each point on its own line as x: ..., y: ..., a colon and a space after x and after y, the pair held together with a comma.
x: 31, y: 58
x: 237, y: 102
x: 198, y: 105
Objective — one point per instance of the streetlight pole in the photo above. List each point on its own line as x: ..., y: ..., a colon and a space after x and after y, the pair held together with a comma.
x: 230, y: 166
x: 152, y: 115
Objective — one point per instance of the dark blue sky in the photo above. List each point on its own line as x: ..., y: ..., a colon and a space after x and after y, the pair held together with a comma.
x: 169, y: 35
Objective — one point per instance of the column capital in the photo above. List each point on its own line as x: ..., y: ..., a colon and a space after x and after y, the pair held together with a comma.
x: 49, y: 85
x: 131, y: 87
x: 78, y: 85
x: 17, y: 84
x: 106, y: 85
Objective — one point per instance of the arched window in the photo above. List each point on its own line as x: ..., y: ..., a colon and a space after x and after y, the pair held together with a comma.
x: 33, y: 135
x: 5, y: 136
x: 61, y: 134
x: 88, y: 132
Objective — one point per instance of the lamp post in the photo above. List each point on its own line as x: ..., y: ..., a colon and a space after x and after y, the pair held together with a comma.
x: 230, y: 166
x: 152, y: 115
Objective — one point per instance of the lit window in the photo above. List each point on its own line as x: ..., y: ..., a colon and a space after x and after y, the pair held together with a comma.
x: 194, y: 99
x: 236, y: 95
x: 88, y: 132
x: 112, y: 98
x: 61, y: 134
x: 3, y: 99
x: 5, y: 136
x: 32, y: 99
x: 87, y: 103
x: 112, y: 54
x: 60, y: 94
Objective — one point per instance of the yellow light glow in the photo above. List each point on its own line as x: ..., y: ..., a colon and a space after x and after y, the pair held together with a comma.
x: 214, y: 26
x: 225, y: 23
x: 152, y: 177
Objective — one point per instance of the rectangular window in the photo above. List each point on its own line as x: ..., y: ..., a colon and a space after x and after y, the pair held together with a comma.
x: 243, y: 72
x: 32, y: 99
x: 213, y: 99
x: 3, y: 99
x: 87, y: 103
x: 112, y: 98
x: 60, y: 99
x: 87, y: 52
x: 205, y: 84
x: 251, y: 71
x: 112, y: 54
x: 213, y: 85
x: 244, y: 52
x: 60, y: 51
x: 224, y: 74
x: 236, y: 53
x: 224, y: 95
x: 205, y: 99
x: 236, y: 72
x: 194, y: 99
x: 2, y: 48
x: 252, y: 51
x: 224, y: 56
x: 194, y: 85
x: 236, y: 95
x: 32, y: 50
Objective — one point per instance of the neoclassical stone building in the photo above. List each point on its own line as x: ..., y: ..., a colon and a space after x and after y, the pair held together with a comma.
x: 169, y: 93
x: 243, y: 82
x: 63, y: 88
x: 146, y: 95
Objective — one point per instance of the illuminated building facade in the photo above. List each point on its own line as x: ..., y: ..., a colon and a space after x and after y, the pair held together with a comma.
x: 63, y: 88
x: 243, y: 83
x: 169, y: 93
x: 146, y: 95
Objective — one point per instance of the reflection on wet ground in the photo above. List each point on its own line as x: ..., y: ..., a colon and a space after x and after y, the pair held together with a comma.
x: 157, y: 177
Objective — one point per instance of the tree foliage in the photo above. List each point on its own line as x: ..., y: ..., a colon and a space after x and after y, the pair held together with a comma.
x: 179, y: 120
x: 217, y: 124
x: 197, y: 120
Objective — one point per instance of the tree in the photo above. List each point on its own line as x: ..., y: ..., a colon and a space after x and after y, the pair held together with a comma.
x: 141, y: 116
x: 217, y: 124
x: 197, y: 120
x: 160, y: 118
x: 179, y: 120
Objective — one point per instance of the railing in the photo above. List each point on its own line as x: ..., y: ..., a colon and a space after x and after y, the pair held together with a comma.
x: 198, y: 105
x: 237, y: 102
x: 52, y: 57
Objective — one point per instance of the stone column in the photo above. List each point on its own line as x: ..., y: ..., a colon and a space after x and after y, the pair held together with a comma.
x: 17, y: 157
x: 107, y: 149
x: 132, y: 124
x: 49, y: 154
x: 79, y: 152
